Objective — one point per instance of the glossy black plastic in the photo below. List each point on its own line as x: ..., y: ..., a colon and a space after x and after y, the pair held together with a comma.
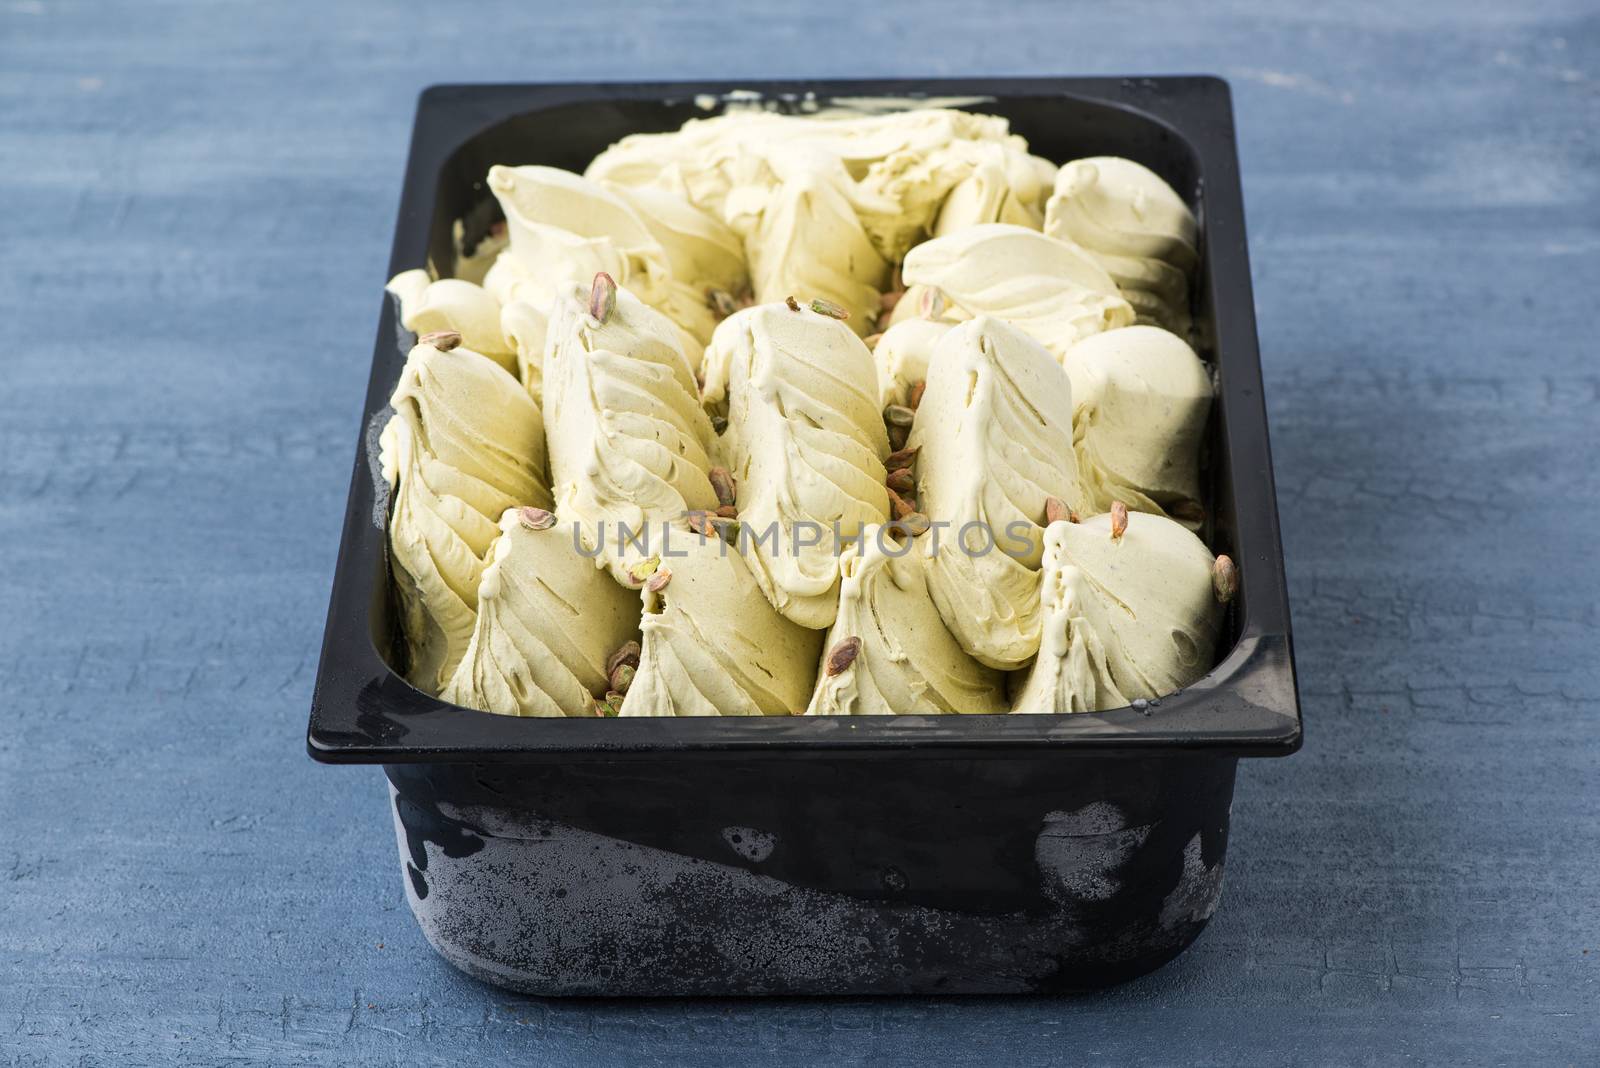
x: 854, y: 809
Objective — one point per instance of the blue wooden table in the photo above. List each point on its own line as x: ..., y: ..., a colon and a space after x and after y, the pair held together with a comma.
x: 196, y: 204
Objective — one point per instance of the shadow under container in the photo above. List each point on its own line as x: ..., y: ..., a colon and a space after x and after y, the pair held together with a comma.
x: 821, y: 855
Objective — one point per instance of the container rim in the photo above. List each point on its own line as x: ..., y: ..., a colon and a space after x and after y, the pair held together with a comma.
x: 362, y: 712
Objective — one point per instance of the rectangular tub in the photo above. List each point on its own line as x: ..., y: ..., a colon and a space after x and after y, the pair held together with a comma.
x: 825, y: 855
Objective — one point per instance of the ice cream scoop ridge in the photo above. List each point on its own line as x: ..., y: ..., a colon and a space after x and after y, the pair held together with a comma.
x: 805, y: 443
x: 805, y: 240
x: 471, y: 414
x: 1141, y: 398
x: 994, y: 432
x: 1006, y: 185
x: 628, y: 438
x: 1136, y: 226
x: 703, y: 255
x: 464, y: 444
x: 1047, y: 288
x: 1124, y: 617
x: 712, y: 644
x: 436, y: 546
x: 907, y: 660
x: 564, y: 229
x: 427, y: 306
x: 547, y: 622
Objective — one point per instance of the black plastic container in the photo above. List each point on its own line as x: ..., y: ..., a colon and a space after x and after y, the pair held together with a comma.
x: 826, y: 855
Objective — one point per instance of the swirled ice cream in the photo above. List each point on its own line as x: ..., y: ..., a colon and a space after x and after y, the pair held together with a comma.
x: 464, y: 444
x: 704, y: 158
x: 547, y: 623
x: 805, y: 443
x: 1006, y: 185
x: 509, y: 281
x: 1136, y: 226
x: 438, y: 535
x: 564, y: 229
x: 805, y: 240
x: 712, y: 644
x: 889, y: 651
x: 904, y: 166
x: 1140, y: 399
x: 449, y: 304
x: 786, y: 197
x: 628, y: 438
x: 896, y: 169
x: 472, y: 415
x: 903, y: 354
x: 705, y: 257
x: 1124, y: 617
x: 1002, y: 386
x: 826, y: 205
x: 995, y: 437
x: 1045, y: 287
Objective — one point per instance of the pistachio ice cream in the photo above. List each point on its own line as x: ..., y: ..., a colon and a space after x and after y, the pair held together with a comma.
x: 564, y: 229
x: 920, y: 301
x: 471, y: 415
x: 1005, y: 186
x: 825, y: 206
x: 1134, y: 225
x: 805, y: 444
x: 628, y: 438
x: 547, y: 624
x: 994, y: 434
x: 804, y: 239
x: 1141, y: 399
x: 448, y: 304
x: 712, y: 643
x: 437, y: 540
x: 768, y: 336
x: 705, y: 258
x: 526, y: 327
x: 895, y: 169
x: 465, y: 443
x: 1124, y: 615
x: 889, y: 651
x: 1051, y: 290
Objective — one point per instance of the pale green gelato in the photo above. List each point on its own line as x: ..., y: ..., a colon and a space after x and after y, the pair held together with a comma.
x: 1123, y: 618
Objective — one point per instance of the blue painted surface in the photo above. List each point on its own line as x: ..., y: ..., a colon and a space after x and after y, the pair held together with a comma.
x: 196, y: 204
